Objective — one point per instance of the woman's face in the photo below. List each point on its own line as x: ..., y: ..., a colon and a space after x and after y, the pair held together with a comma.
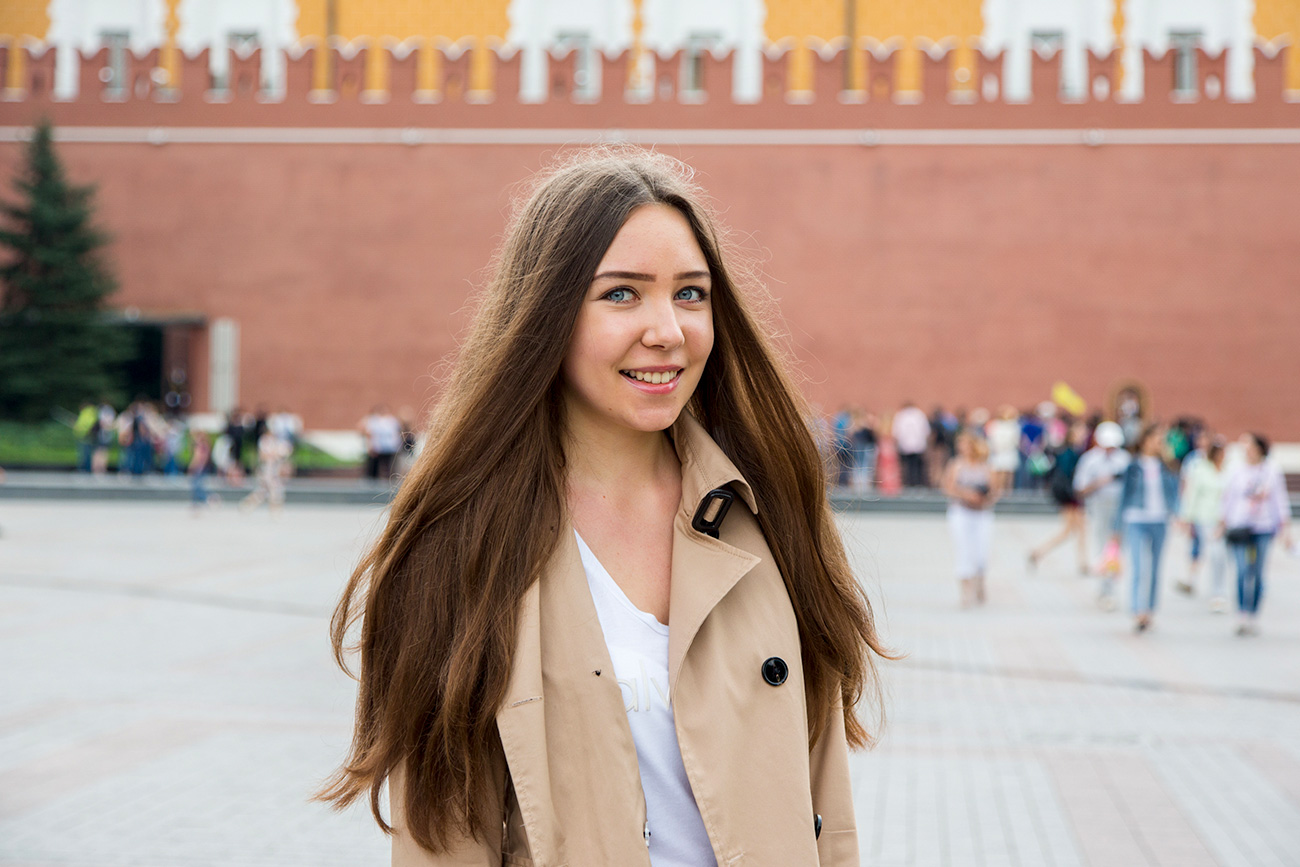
x: 1154, y: 444
x: 645, y: 328
x: 1253, y: 454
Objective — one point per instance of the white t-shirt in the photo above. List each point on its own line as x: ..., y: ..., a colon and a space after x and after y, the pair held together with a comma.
x: 638, y: 647
x: 911, y: 430
x: 385, y: 433
x: 1097, y: 464
x: 1153, y: 509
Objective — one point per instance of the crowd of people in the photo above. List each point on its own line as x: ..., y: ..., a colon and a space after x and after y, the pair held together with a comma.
x: 911, y: 449
x: 258, y: 444
x: 1120, y: 485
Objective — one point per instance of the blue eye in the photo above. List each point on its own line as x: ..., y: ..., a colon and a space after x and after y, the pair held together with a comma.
x: 691, y: 293
x: 619, y: 296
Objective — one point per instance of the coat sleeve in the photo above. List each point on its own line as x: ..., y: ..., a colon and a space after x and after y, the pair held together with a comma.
x: 465, y: 851
x: 833, y: 796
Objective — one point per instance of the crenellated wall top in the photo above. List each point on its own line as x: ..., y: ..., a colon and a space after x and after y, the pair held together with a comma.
x: 428, y: 83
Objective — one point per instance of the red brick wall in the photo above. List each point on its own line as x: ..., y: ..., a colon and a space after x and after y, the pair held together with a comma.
x: 960, y: 275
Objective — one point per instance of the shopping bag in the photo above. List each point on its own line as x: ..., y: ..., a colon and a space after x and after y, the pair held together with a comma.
x: 1110, y: 564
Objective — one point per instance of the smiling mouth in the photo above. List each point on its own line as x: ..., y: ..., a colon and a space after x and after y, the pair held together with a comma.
x: 652, y: 377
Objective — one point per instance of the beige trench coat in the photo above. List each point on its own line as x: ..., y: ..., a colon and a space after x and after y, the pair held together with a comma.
x: 568, y: 786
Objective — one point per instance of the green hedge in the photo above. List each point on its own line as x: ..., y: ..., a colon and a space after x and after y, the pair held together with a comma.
x: 53, y: 444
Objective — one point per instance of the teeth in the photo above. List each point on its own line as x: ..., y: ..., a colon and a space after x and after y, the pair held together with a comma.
x: 656, y: 378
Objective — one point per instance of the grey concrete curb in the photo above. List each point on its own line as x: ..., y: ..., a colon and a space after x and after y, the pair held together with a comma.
x: 25, y: 485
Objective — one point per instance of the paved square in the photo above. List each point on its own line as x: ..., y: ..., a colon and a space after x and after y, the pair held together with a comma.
x: 167, y: 700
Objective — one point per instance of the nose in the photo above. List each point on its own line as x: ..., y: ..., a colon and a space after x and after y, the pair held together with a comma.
x: 662, y: 330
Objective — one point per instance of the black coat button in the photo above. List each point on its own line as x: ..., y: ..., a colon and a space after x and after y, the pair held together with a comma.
x: 775, y: 671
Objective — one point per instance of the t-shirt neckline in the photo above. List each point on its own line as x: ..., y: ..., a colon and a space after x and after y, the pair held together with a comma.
x: 609, y: 584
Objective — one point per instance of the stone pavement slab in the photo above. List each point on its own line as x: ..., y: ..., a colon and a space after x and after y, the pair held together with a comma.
x: 168, y: 698
x: 1042, y: 730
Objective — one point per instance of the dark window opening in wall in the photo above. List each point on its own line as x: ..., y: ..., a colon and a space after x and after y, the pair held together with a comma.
x: 142, y: 369
x: 1050, y: 44
x: 586, y: 76
x: 1047, y: 42
x: 1184, y: 45
x: 114, y: 72
x: 238, y: 45
x: 692, y: 80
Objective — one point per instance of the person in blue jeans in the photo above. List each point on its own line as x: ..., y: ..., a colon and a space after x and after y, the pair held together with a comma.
x: 1255, y: 509
x: 1148, y: 498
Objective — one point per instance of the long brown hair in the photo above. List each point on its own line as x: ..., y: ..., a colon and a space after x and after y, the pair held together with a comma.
x: 438, y: 594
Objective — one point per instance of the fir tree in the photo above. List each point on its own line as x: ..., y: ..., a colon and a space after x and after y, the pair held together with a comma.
x: 57, y: 347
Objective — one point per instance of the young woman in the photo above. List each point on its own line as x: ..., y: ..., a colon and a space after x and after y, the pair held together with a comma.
x: 1255, y: 509
x: 1004, y: 446
x: 972, y: 488
x: 610, y: 620
x: 1067, y: 499
x: 1202, y: 512
x: 1147, y: 500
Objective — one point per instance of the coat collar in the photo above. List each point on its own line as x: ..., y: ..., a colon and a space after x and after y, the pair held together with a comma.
x: 704, y: 569
x: 705, y: 465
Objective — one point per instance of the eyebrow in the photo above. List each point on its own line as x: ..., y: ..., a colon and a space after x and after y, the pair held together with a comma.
x: 649, y: 278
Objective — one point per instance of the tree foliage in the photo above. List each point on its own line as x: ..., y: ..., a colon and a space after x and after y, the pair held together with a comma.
x: 57, y: 346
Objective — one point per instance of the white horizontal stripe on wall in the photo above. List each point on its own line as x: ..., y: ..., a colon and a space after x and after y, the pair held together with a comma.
x: 415, y: 136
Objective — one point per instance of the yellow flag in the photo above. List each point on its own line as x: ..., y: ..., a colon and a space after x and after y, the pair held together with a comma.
x: 1068, y: 399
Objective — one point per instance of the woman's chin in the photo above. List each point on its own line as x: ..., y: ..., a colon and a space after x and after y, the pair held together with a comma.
x: 652, y: 421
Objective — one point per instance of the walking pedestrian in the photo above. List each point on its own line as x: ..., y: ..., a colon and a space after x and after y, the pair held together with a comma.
x: 972, y: 489
x: 943, y: 445
x: 125, y: 426
x: 889, y: 472
x: 102, y: 434
x: 382, y: 432
x: 1067, y: 499
x: 198, y: 469
x: 841, y: 429
x: 1097, y: 480
x: 1201, y: 510
x: 171, y: 438
x: 911, y: 432
x: 621, y: 500
x: 272, y: 461
x: 231, y: 446
x: 85, y: 430
x: 1200, y: 441
x: 1255, y: 510
x: 1004, y: 446
x: 1033, y: 463
x: 865, y: 446
x: 1148, y: 497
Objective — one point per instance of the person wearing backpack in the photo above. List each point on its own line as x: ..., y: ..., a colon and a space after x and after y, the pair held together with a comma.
x: 1061, y: 487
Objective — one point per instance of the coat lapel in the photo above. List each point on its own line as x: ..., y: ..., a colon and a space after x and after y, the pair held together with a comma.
x: 564, y: 729
x: 704, y: 569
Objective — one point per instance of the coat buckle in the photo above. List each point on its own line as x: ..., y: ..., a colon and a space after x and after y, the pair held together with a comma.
x: 713, y: 508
